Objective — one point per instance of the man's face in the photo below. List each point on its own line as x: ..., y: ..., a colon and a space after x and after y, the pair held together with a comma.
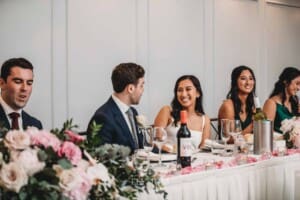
x: 138, y: 90
x: 16, y: 90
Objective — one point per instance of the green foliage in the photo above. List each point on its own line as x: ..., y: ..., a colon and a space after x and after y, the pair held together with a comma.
x: 125, y: 180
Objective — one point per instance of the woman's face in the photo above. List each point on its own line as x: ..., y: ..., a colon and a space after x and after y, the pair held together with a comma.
x: 293, y: 87
x: 245, y: 82
x: 187, y: 93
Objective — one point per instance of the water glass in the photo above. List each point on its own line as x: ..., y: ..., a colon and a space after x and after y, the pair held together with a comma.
x: 140, y: 162
x: 159, y: 139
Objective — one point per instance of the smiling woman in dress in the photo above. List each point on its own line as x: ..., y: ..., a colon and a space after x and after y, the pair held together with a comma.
x: 283, y: 103
x: 187, y: 96
x: 239, y: 104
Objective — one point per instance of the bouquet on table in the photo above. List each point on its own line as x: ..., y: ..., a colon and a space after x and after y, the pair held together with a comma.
x: 291, y: 131
x: 61, y: 165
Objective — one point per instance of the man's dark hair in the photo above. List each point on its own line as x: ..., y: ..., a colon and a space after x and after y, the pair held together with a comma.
x: 14, y: 62
x: 124, y: 74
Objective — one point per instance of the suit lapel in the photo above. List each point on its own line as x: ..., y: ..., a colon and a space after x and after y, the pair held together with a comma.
x: 121, y: 121
x: 3, y: 119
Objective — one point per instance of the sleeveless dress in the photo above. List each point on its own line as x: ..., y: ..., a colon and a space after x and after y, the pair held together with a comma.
x: 282, y: 113
x: 247, y: 121
x: 196, y: 136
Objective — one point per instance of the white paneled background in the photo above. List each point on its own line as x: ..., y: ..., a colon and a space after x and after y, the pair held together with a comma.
x: 75, y: 44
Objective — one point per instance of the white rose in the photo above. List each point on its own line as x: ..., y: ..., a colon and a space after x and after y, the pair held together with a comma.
x: 98, y: 173
x: 296, y: 129
x: 17, y: 140
x: 28, y: 159
x: 286, y: 125
x: 69, y: 179
x: 141, y: 120
x: 13, y: 176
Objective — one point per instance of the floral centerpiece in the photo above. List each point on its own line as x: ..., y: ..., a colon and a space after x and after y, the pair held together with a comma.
x: 60, y: 164
x: 291, y: 131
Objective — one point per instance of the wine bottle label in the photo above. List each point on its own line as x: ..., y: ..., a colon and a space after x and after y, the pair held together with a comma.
x: 186, y: 148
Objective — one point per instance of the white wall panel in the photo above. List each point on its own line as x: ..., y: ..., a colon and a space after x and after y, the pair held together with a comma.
x: 101, y: 34
x: 74, y: 45
x: 175, y: 47
x: 26, y: 32
x: 236, y: 42
x: 283, y: 41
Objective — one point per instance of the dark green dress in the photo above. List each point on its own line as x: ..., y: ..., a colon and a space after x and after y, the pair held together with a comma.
x: 282, y: 113
x: 247, y: 121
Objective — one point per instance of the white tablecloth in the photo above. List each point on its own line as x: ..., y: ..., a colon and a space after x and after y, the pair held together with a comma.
x: 270, y: 179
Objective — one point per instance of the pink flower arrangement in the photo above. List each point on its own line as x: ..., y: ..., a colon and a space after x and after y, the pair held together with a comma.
x: 74, y: 137
x: 44, y: 139
x: 70, y: 151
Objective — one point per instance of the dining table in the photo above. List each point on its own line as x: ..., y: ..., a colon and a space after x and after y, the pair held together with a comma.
x: 239, y: 177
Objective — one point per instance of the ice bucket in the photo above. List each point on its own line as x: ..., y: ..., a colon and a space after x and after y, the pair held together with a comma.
x: 263, y: 136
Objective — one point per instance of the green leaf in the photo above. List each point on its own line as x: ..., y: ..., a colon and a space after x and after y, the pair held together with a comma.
x: 42, y: 155
x: 65, y: 163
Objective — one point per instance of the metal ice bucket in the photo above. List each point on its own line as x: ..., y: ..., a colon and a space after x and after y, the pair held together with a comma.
x: 263, y: 136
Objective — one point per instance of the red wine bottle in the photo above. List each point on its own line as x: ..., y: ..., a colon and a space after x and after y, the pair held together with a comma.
x: 184, y: 142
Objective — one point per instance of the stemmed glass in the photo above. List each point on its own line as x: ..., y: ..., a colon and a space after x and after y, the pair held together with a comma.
x: 160, y: 137
x: 235, y: 128
x: 147, y: 139
x: 225, y: 123
x: 226, y: 134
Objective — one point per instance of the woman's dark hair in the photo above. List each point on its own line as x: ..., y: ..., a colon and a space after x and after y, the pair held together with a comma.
x: 285, y: 79
x: 177, y: 107
x: 234, y: 90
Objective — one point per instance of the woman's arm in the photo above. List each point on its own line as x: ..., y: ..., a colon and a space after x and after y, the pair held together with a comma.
x: 163, y: 117
x: 270, y: 109
x: 206, y: 131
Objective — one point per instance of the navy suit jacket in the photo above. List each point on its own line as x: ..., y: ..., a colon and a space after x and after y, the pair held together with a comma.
x: 26, y: 118
x: 114, y: 128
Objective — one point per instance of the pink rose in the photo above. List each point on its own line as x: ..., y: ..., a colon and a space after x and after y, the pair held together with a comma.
x: 74, y: 137
x: 44, y: 138
x: 70, y: 151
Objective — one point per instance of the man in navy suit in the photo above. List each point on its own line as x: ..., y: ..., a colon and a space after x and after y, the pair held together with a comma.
x: 114, y: 115
x: 16, y: 85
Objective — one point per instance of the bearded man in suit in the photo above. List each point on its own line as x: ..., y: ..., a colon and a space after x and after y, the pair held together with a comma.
x: 16, y: 86
x: 117, y: 116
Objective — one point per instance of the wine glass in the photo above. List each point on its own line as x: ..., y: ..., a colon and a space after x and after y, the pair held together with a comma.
x: 235, y: 128
x: 159, y: 139
x: 225, y: 136
x: 140, y: 163
x: 147, y: 133
x: 225, y: 123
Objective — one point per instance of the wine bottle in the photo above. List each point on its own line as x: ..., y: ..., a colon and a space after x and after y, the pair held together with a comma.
x: 184, y: 142
x: 259, y: 114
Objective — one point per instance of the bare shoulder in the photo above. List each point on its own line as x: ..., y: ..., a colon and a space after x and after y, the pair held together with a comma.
x: 226, y: 110
x: 207, y: 119
x: 271, y: 102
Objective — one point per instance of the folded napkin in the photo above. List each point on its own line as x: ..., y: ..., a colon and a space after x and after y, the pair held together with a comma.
x: 213, y: 144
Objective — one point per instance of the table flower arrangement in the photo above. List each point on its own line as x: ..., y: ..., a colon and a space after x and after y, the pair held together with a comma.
x: 61, y: 165
x: 291, y: 131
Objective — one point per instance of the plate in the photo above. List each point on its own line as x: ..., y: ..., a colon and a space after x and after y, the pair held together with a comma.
x: 164, y: 157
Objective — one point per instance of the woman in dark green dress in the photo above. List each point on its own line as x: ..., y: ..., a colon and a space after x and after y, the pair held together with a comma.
x: 283, y: 102
x: 239, y: 103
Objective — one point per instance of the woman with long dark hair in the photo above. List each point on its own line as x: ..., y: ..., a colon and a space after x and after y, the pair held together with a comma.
x: 239, y: 104
x: 187, y: 96
x: 283, y: 102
